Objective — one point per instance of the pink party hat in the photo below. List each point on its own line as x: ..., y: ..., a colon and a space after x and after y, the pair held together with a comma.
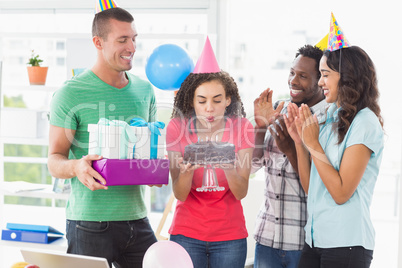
x: 102, y: 5
x: 207, y: 62
x: 336, y: 38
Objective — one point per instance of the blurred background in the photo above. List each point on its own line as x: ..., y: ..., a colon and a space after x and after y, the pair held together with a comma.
x: 254, y: 40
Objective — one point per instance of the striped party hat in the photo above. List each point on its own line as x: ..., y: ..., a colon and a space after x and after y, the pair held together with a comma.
x: 102, y: 5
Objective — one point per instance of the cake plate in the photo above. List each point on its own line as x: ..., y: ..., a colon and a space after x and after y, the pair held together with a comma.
x: 209, y: 180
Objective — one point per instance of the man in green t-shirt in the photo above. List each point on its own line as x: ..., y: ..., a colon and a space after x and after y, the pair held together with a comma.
x: 109, y: 222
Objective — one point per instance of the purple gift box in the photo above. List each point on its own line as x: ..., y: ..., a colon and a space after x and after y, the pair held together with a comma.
x: 133, y: 171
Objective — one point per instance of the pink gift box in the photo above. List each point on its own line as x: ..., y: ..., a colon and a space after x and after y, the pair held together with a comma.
x: 133, y: 171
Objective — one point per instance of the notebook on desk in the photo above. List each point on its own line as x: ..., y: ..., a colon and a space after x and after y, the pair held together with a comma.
x: 62, y: 260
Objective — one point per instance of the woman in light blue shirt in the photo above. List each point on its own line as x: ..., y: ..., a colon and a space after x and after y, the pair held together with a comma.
x: 339, y: 161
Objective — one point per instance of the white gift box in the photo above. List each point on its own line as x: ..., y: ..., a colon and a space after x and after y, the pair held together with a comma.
x: 110, y: 141
x: 142, y: 147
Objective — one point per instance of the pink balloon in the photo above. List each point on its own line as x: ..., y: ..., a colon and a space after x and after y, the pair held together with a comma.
x: 166, y: 254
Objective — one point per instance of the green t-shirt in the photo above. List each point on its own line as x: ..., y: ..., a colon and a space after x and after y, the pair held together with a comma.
x: 84, y: 100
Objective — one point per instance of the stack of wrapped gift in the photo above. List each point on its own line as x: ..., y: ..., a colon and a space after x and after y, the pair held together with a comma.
x: 133, y: 154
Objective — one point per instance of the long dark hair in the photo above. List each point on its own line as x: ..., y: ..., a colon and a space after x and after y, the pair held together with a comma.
x: 357, y: 86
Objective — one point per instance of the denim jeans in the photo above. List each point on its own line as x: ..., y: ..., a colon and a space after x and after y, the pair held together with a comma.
x: 344, y: 257
x: 267, y: 257
x: 122, y: 243
x: 221, y: 254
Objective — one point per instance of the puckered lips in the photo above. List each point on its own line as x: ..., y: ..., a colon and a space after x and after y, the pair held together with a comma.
x: 210, y: 118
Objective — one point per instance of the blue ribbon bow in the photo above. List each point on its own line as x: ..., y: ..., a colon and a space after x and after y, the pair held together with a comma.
x: 155, y: 132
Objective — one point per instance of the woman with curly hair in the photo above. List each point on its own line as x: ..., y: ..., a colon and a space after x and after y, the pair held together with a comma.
x: 339, y: 161
x: 210, y: 225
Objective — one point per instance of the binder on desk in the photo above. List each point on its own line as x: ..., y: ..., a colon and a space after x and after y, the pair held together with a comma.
x: 30, y: 233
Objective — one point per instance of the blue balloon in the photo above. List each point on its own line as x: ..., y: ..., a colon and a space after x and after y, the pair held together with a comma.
x: 168, y: 66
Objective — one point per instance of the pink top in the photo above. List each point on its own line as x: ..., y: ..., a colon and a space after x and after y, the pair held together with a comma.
x: 210, y: 216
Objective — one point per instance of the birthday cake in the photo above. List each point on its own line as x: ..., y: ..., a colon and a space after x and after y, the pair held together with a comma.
x: 208, y: 152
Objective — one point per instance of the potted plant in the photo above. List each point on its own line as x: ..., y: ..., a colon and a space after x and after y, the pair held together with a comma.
x: 36, y: 73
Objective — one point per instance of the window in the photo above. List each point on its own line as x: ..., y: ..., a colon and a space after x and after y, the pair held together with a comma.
x: 60, y: 45
x: 60, y: 61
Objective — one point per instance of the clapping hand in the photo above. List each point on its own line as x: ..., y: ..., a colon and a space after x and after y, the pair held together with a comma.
x: 309, y: 128
x: 302, y: 125
x: 279, y: 132
x: 291, y: 123
x: 264, y: 110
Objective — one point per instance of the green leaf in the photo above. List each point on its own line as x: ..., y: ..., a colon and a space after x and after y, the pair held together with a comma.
x: 34, y: 60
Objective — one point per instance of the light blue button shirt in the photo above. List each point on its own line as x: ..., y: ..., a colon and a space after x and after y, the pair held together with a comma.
x: 330, y: 225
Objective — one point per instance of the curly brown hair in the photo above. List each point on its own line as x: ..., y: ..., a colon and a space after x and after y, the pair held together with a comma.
x: 357, y: 86
x: 183, y: 102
